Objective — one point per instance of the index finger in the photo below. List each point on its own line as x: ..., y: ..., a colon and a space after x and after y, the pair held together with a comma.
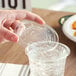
x: 22, y: 14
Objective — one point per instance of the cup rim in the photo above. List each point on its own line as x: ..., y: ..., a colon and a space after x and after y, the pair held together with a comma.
x: 58, y: 43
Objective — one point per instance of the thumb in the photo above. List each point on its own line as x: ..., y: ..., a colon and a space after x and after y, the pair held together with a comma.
x: 8, y: 35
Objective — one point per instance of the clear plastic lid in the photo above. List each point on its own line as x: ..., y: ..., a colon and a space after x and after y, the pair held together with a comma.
x: 34, y: 32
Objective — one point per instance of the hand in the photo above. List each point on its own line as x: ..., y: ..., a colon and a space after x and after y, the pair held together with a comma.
x: 9, y: 20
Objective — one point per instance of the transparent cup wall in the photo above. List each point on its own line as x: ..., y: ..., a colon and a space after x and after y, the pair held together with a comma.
x: 46, y: 59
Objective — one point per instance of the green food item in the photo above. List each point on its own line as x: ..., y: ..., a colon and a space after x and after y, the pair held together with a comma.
x: 63, y: 19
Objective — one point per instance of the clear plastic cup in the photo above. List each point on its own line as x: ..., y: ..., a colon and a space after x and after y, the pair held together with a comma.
x: 47, y: 60
x: 34, y: 32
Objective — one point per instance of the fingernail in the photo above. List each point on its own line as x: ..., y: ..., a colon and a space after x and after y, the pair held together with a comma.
x: 43, y: 22
x: 14, y: 38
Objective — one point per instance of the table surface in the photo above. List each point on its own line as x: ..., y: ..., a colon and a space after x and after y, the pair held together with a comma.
x: 14, y: 53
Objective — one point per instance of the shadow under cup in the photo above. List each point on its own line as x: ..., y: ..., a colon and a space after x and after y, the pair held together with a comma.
x: 46, y: 59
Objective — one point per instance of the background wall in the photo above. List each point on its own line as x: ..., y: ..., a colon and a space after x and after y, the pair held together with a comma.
x: 63, y: 5
x: 43, y: 3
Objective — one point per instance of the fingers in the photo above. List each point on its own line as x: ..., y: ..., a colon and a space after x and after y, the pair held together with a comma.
x: 8, y: 35
x: 18, y: 27
x: 34, y: 17
x: 9, y: 20
x: 20, y: 15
